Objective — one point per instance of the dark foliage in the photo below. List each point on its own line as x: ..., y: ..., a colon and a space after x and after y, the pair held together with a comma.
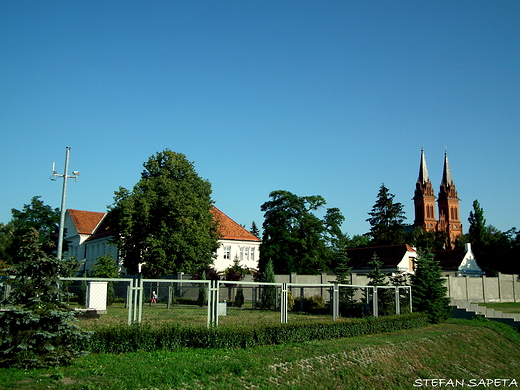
x: 36, y: 330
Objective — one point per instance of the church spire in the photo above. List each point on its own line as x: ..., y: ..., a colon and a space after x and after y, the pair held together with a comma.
x: 446, y: 174
x: 424, y: 198
x: 423, y: 170
x: 449, y: 215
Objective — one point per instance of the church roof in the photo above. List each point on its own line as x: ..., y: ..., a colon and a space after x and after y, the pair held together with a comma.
x: 85, y: 222
x: 94, y: 223
x: 390, y: 255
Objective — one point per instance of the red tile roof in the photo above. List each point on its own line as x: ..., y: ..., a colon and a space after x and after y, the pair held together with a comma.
x: 229, y: 229
x: 85, y: 221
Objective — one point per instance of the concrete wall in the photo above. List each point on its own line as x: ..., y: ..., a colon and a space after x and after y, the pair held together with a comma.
x: 504, y: 288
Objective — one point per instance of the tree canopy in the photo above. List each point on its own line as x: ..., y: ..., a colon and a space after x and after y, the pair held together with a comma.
x: 166, y: 220
x: 428, y: 289
x: 35, y: 215
x: 386, y: 220
x: 37, y: 329
x: 294, y: 238
x: 495, y: 251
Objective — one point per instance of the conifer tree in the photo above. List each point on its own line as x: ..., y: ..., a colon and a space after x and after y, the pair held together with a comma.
x: 38, y: 329
x: 269, y: 292
x: 346, y: 294
x: 386, y: 219
x: 378, y: 278
x: 428, y: 289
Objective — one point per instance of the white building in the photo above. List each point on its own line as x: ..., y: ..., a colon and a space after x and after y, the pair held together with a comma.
x: 88, y: 235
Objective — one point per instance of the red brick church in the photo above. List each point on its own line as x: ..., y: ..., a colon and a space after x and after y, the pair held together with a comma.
x: 447, y: 202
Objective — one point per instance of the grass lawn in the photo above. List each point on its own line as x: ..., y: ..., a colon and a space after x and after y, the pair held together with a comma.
x: 195, y: 315
x: 505, y: 307
x: 457, y: 349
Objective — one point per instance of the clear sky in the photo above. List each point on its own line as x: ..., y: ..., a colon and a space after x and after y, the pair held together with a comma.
x: 326, y: 98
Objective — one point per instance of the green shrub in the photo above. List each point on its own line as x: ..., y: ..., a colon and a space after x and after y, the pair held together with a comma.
x: 144, y: 337
x: 239, y: 296
x: 315, y: 304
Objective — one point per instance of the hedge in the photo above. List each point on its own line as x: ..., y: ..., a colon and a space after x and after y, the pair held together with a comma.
x: 144, y: 337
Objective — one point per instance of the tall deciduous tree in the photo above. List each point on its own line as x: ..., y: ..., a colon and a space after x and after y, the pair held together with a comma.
x: 386, y: 219
x: 294, y: 237
x: 35, y: 215
x: 166, y: 220
x: 428, y: 289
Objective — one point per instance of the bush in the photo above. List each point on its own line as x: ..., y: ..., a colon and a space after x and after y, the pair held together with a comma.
x: 144, y: 337
x: 315, y: 304
x: 239, y: 296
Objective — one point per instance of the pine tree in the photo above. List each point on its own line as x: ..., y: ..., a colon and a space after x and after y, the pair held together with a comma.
x: 342, y: 272
x: 386, y: 220
x: 38, y: 329
x: 268, y: 299
x: 378, y: 278
x: 239, y: 296
x: 428, y: 289
x: 254, y: 230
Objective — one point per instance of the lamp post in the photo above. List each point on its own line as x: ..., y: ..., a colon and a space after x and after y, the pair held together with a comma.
x: 65, y: 176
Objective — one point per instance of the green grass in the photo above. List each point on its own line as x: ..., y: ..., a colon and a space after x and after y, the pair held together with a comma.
x: 505, y: 307
x: 457, y: 349
x: 195, y: 315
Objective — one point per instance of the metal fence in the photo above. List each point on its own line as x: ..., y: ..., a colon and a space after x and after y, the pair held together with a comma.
x: 226, y: 303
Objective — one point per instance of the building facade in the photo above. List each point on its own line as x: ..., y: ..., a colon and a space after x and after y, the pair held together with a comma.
x: 89, y: 237
x: 448, y: 208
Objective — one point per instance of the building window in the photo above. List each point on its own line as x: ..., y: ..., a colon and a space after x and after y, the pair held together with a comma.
x: 241, y: 253
x: 227, y: 252
x: 246, y: 252
x: 252, y: 254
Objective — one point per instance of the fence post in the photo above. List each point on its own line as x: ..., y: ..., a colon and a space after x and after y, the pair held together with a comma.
x: 283, y: 304
x: 410, y: 296
x: 139, y: 296
x: 375, y: 303
x: 397, y: 301
x: 335, y: 301
x: 213, y: 303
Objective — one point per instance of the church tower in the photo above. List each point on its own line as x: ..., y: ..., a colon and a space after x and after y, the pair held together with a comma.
x: 424, y: 199
x: 449, y: 216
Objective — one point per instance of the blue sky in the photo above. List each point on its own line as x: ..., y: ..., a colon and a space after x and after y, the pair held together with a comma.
x: 326, y: 98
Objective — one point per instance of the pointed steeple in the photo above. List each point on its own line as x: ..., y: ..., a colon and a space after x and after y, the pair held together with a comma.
x: 424, y: 198
x: 448, y: 201
x: 423, y: 170
x: 446, y: 174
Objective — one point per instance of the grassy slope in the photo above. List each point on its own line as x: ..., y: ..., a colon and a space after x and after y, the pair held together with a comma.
x: 505, y: 307
x: 457, y: 349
